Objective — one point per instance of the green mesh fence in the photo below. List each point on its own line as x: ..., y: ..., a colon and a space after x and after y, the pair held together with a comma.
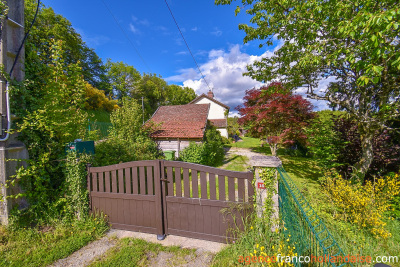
x: 102, y: 128
x: 309, y: 233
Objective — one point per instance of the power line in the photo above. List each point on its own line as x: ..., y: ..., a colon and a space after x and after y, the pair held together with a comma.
x: 176, y: 23
x: 26, y: 36
x: 126, y: 35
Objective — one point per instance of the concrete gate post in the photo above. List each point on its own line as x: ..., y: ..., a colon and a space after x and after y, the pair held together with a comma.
x: 259, y: 163
x: 12, y: 34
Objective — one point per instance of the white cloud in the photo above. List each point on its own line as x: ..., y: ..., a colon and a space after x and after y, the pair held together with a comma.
x: 224, y: 74
x: 182, y: 53
x: 133, y: 28
x: 194, y: 29
x: 217, y: 32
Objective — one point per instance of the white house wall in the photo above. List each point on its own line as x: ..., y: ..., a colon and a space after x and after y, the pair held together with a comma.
x: 223, y: 132
x: 216, y: 111
x: 173, y: 145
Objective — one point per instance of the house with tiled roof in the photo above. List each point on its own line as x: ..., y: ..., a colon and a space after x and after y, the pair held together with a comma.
x: 177, y: 126
x: 218, y: 113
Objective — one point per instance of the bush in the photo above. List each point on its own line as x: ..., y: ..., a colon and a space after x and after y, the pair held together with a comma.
x: 210, y: 153
x: 128, y: 139
x: 334, y: 142
x: 193, y: 153
x: 364, y: 205
x: 97, y: 100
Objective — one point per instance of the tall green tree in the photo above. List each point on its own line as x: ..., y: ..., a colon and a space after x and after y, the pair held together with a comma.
x: 122, y: 77
x: 357, y: 42
x: 50, y: 26
x: 178, y: 95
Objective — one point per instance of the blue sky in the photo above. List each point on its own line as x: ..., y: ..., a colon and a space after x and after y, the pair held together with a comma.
x: 211, y: 32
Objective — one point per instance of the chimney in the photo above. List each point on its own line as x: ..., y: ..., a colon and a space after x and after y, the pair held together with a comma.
x: 210, y: 94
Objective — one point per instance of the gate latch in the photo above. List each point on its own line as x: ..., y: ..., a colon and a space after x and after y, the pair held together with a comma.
x: 164, y: 180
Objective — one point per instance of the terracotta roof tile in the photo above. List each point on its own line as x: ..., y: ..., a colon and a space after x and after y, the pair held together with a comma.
x: 219, y: 123
x: 181, y: 121
x: 194, y: 101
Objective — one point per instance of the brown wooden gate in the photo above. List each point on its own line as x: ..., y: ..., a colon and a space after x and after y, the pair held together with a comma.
x: 170, y: 197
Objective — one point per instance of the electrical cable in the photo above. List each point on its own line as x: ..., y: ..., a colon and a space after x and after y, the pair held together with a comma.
x: 176, y: 23
x: 11, y: 71
x: 126, y: 35
x: 26, y: 36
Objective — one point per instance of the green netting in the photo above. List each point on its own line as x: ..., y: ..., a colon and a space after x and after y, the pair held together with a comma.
x: 102, y: 128
x: 308, y: 231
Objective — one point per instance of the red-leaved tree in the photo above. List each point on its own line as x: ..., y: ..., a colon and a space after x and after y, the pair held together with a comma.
x: 275, y: 114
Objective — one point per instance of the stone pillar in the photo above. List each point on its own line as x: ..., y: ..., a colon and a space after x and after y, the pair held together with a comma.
x: 259, y: 163
x: 12, y: 150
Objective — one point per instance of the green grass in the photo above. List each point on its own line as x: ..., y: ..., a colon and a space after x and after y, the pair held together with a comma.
x: 350, y: 238
x: 305, y: 174
x: 99, y: 115
x: 137, y: 252
x: 248, y: 142
x: 43, y: 246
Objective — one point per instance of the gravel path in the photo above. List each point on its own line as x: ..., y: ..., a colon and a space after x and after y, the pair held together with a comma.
x: 87, y: 254
x: 205, y: 250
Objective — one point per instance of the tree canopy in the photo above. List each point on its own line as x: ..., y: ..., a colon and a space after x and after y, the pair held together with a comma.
x: 354, y: 42
x: 275, y: 114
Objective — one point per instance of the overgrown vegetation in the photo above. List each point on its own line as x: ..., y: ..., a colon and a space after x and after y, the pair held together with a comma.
x: 137, y: 252
x: 210, y: 153
x: 128, y: 139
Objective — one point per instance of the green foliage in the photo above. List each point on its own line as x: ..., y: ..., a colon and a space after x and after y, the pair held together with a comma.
x: 42, y: 246
x: 193, y: 153
x: 355, y: 42
x: 178, y: 95
x: 233, y: 126
x: 123, y: 78
x: 210, y: 153
x: 58, y: 118
x: 324, y: 143
x: 76, y: 191
x: 128, y: 139
x: 137, y: 252
x: 51, y: 26
x: 97, y: 100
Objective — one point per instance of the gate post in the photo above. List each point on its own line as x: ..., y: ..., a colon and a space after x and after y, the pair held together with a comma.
x: 160, y: 199
x: 259, y: 163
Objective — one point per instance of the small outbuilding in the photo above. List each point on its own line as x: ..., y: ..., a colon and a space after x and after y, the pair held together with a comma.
x: 179, y: 125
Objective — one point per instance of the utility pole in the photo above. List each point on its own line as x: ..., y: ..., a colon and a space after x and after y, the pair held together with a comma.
x: 11, y: 150
x: 143, y: 109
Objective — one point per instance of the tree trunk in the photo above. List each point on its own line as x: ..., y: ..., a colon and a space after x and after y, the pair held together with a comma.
x: 366, y: 136
x: 273, y: 149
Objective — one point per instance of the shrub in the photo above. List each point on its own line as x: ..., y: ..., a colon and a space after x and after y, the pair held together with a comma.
x: 97, y: 100
x: 193, y: 153
x: 128, y: 139
x: 210, y: 153
x: 364, y: 205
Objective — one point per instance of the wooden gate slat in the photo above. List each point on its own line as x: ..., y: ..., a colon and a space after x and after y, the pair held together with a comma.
x: 150, y: 188
x: 231, y: 188
x: 114, y: 181
x: 121, y: 183
x: 213, y: 186
x: 142, y: 179
x: 101, y: 181
x: 203, y: 184
x: 195, y: 184
x: 107, y: 181
x: 135, y: 181
x: 241, y: 190
x: 128, y: 182
x: 94, y: 182
x: 170, y: 179
x: 186, y: 186
x: 221, y: 187
x: 178, y: 182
